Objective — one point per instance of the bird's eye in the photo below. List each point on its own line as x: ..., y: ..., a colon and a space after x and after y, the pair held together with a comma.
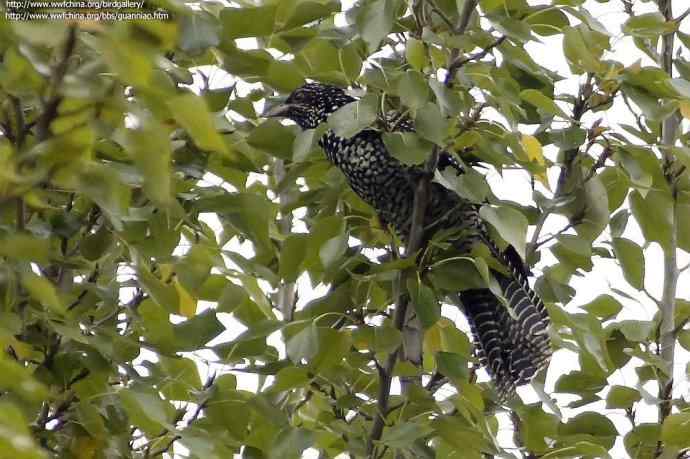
x: 298, y: 97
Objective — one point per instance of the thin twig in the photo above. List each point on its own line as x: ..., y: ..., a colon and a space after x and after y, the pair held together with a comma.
x: 50, y: 108
x: 680, y: 18
x: 468, y: 9
x: 441, y: 14
x: 458, y: 63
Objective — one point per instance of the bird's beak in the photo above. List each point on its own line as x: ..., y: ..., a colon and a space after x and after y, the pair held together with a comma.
x: 279, y: 111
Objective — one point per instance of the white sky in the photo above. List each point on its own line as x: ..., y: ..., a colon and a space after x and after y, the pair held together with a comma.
x: 515, y: 185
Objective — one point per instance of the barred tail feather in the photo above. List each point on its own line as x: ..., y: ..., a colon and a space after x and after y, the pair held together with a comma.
x: 513, y: 347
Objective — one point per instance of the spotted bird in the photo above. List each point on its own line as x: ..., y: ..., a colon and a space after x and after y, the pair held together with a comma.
x: 511, y: 336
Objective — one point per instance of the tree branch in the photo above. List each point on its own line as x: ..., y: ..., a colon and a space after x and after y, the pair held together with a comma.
x: 441, y: 14
x: 468, y: 9
x: 667, y: 336
x: 403, y: 319
x: 456, y: 64
x: 287, y: 293
x: 579, y: 109
x: 52, y: 101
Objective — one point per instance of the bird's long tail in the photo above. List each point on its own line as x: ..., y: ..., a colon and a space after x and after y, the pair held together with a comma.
x: 512, y: 338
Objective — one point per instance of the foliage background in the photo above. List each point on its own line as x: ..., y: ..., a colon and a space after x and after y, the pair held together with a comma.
x: 139, y: 214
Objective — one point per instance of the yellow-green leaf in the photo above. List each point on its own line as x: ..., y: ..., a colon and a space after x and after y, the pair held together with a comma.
x: 191, y: 112
x: 535, y: 153
x: 187, y: 303
x: 43, y: 291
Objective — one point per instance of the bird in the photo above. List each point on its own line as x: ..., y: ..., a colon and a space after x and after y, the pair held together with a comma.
x: 510, y: 333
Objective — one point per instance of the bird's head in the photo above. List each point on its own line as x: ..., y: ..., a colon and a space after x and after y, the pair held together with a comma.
x: 310, y: 104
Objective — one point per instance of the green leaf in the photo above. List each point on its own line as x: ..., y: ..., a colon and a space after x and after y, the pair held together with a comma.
x: 404, y: 434
x: 407, y: 147
x: 583, y: 48
x: 510, y: 223
x: 578, y: 450
x: 449, y: 101
x: 537, y: 427
x: 128, y: 60
x: 322, y: 60
x: 684, y: 339
x: 16, y: 441
x: 604, y: 307
x: 378, y: 339
x: 195, y: 267
x: 543, y: 103
x: 676, y: 430
x: 547, y: 21
x: 461, y: 435
x: 618, y: 223
x: 25, y: 247
x: 333, y: 346
x: 636, y: 330
x: 303, y: 344
x: 470, y: 185
x: 249, y: 213
x: 413, y: 89
x: 292, y: 254
x: 150, y: 146
x: 596, y: 426
x: 583, y: 384
x: 252, y: 63
x: 160, y: 291
x: 293, y: 13
x: 157, y: 327
x: 194, y: 333
x: 306, y: 141
x: 641, y: 442
x: 375, y: 21
x: 649, y: 25
x: 180, y: 378
x: 247, y: 22
x: 415, y: 53
x: 199, y: 30
x: 595, y: 210
x: 515, y: 29
x: 430, y: 124
x: 101, y: 184
x: 284, y: 76
x: 681, y: 86
x: 425, y: 303
x: 333, y: 250
x: 352, y: 118
x: 631, y: 258
x: 290, y: 443
x: 573, y: 251
x: 653, y: 213
x: 458, y: 274
x: 146, y: 410
x: 622, y: 397
x: 273, y: 138
x: 96, y: 245
x: 191, y: 112
x: 18, y: 381
x: 43, y: 291
x: 290, y: 378
x: 452, y: 365
x: 187, y: 304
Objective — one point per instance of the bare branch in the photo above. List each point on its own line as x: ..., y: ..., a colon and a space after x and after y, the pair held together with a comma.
x: 667, y: 329
x: 455, y: 65
x: 440, y: 14
x: 468, y: 9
